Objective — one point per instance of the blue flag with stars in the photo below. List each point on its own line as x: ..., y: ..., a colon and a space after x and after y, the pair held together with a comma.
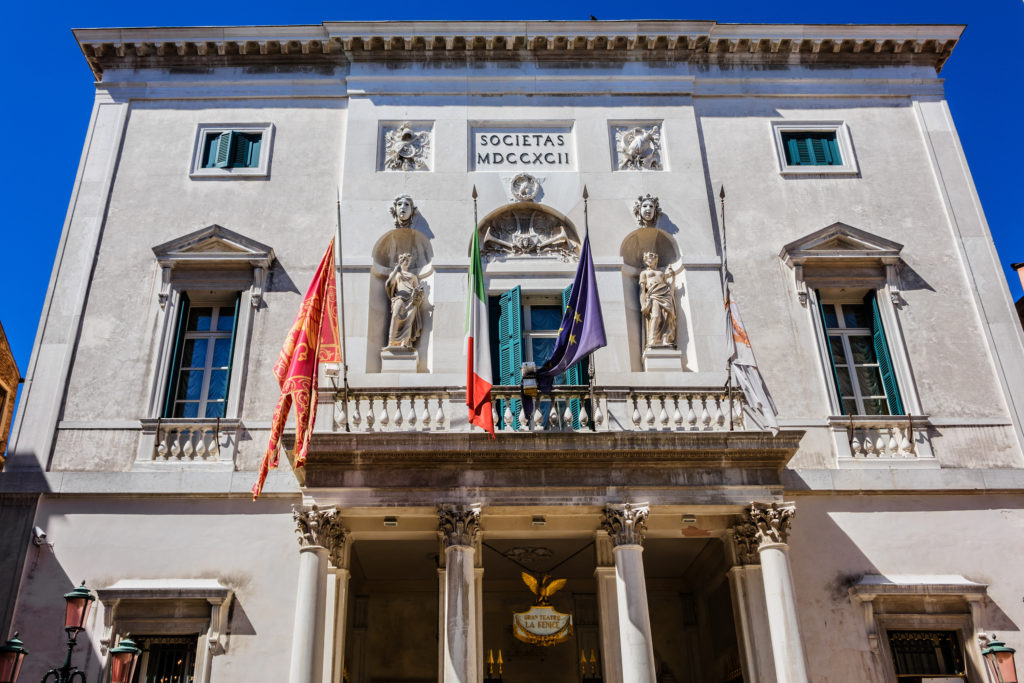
x: 582, y: 329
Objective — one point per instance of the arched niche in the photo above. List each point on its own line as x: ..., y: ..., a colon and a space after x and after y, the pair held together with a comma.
x: 632, y: 250
x: 527, y: 230
x: 385, y: 255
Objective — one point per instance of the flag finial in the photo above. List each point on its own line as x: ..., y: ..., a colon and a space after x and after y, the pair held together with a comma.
x: 586, y: 195
x: 721, y: 194
x: 474, y: 192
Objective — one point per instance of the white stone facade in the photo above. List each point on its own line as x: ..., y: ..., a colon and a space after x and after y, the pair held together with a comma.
x: 676, y: 110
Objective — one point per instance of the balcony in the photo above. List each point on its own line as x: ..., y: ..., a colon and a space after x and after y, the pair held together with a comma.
x: 570, y: 409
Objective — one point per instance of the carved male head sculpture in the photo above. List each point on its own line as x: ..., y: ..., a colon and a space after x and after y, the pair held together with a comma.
x: 646, y: 210
x: 402, y: 211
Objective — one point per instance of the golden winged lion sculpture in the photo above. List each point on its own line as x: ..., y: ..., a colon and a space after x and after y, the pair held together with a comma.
x: 544, y: 588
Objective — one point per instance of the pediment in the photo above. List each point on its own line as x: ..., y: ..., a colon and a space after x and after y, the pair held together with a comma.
x: 214, y: 244
x: 841, y: 241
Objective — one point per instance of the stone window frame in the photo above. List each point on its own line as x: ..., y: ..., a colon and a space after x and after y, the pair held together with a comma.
x: 212, y: 259
x: 840, y: 256
x: 260, y: 171
x: 849, y: 167
x: 124, y: 612
x: 941, y: 603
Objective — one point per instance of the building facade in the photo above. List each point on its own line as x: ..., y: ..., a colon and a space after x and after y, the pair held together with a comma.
x: 874, y: 535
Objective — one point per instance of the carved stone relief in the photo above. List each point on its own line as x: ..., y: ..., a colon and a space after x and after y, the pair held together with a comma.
x: 402, y: 211
x: 321, y: 527
x: 524, y: 187
x: 458, y: 524
x: 406, y: 149
x: 526, y: 232
x: 626, y: 524
x: 657, y: 304
x: 647, y: 211
x: 638, y: 148
x: 406, y: 295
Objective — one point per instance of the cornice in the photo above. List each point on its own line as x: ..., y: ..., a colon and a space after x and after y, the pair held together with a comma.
x: 343, y: 42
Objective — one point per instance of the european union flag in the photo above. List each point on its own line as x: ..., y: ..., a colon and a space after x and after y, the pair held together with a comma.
x: 582, y: 329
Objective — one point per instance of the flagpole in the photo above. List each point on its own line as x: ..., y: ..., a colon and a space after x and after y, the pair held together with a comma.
x: 728, y: 309
x: 341, y: 306
x: 590, y: 360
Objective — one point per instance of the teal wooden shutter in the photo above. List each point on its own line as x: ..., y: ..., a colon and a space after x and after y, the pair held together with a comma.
x: 225, y: 144
x: 577, y: 374
x: 255, y: 141
x: 510, y: 347
x: 231, y: 353
x: 179, y: 341
x: 892, y: 390
x: 246, y: 153
x: 831, y: 358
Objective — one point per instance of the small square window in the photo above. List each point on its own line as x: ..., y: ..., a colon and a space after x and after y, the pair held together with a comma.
x: 232, y: 150
x: 815, y: 148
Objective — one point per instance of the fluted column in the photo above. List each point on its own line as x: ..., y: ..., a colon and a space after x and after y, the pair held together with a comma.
x: 626, y: 525
x: 458, y: 526
x: 320, y: 533
x: 766, y: 528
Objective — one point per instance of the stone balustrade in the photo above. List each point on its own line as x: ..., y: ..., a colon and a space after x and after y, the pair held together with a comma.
x: 883, y: 438
x: 568, y: 409
x: 191, y: 440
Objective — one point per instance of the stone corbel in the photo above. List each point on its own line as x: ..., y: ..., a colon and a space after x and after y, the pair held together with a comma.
x: 259, y: 276
x: 892, y: 281
x: 165, y: 285
x: 108, y: 625
x: 217, y: 637
x: 867, y: 605
x: 801, y: 286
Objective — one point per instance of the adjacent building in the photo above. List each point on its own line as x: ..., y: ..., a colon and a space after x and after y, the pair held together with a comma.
x: 644, y: 522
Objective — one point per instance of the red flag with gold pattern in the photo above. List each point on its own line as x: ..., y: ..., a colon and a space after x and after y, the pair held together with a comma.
x: 312, y: 339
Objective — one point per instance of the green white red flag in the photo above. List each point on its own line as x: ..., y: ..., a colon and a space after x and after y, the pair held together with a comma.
x: 312, y: 339
x: 478, y: 345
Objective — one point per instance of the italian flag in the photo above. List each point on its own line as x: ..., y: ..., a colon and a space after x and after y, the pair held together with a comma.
x: 478, y: 346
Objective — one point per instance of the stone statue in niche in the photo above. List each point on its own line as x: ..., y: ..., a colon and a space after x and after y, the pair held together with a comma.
x: 406, y: 149
x: 658, y: 304
x: 406, y: 294
x: 638, y: 148
x: 403, y: 210
x: 647, y: 210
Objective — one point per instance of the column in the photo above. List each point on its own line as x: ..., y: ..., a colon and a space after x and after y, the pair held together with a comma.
x: 626, y: 525
x: 607, y: 608
x: 320, y: 532
x: 766, y: 528
x: 746, y: 587
x: 458, y: 526
x: 337, y: 611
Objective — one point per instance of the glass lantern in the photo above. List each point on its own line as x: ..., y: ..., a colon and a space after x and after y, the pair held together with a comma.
x: 12, y: 655
x: 122, y: 661
x: 79, y: 604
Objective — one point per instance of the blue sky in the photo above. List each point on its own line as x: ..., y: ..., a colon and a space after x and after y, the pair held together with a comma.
x: 49, y: 96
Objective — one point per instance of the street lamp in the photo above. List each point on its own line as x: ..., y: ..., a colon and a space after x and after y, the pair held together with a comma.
x: 122, y: 661
x: 79, y: 604
x: 999, y: 661
x: 12, y: 654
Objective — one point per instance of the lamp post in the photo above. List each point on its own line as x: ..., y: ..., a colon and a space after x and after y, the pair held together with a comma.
x: 12, y: 654
x: 999, y: 661
x: 79, y: 604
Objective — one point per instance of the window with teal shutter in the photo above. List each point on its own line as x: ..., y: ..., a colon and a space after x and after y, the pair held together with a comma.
x: 200, y: 370
x: 861, y: 364
x: 232, y: 149
x: 510, y: 348
x: 811, y: 149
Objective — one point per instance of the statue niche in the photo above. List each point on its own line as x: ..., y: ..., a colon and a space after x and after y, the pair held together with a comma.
x: 528, y: 231
x: 406, y: 294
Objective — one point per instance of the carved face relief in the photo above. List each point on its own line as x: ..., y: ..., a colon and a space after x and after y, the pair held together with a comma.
x: 402, y: 211
x: 647, y: 210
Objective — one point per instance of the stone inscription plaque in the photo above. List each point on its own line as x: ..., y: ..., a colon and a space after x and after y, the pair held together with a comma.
x: 503, y: 149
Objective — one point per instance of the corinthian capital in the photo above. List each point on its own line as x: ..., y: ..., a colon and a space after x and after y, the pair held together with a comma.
x: 771, y: 521
x: 745, y: 539
x: 321, y: 527
x: 626, y: 524
x: 458, y: 524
